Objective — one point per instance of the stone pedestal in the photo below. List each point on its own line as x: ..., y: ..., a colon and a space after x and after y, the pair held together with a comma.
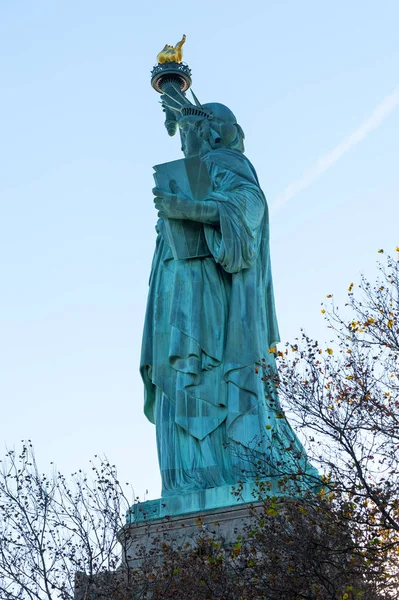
x: 142, y: 539
x: 222, y: 511
x: 142, y: 542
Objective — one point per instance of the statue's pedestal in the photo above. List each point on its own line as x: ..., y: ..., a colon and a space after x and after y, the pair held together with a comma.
x: 143, y: 545
x: 143, y: 539
x: 280, y: 540
x: 221, y: 511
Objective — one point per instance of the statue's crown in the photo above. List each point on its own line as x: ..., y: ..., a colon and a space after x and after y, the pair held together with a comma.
x: 195, y: 111
x: 180, y: 104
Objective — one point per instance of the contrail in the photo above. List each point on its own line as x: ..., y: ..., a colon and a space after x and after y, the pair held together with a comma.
x: 389, y: 103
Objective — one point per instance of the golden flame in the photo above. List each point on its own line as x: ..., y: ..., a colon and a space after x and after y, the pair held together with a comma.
x: 172, y: 53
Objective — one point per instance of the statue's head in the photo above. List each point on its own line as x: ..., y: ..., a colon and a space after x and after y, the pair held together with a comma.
x: 208, y: 127
x: 203, y: 127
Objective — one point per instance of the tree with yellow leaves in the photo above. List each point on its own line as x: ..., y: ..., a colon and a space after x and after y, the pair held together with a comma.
x: 345, y: 399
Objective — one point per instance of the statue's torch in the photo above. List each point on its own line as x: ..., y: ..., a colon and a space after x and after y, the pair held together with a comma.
x: 172, y: 78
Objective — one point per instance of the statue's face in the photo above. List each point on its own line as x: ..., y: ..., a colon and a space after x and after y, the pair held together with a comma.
x: 193, y: 137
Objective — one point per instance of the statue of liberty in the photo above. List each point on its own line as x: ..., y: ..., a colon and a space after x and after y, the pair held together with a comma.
x: 210, y: 329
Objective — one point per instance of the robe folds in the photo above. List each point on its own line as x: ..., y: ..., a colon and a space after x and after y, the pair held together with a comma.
x: 209, y: 326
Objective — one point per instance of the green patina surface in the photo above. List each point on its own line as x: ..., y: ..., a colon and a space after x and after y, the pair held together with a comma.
x: 208, y: 499
x: 211, y: 323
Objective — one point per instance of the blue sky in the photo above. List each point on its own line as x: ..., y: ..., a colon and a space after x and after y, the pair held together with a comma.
x: 81, y: 128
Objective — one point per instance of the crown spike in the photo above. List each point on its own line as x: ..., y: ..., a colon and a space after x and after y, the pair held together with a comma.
x: 178, y: 110
x: 179, y: 92
x: 197, y: 102
x: 177, y: 101
x: 164, y: 105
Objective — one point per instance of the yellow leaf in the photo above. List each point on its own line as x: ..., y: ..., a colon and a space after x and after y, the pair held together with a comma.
x: 323, y: 311
x: 350, y: 288
x: 390, y: 323
x: 380, y: 251
x: 397, y: 248
x: 330, y: 351
x: 272, y: 350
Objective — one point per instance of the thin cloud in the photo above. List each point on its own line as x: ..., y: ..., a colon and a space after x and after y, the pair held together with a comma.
x: 389, y: 103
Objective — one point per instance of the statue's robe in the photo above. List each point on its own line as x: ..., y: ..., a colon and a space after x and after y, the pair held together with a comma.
x: 209, y: 328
